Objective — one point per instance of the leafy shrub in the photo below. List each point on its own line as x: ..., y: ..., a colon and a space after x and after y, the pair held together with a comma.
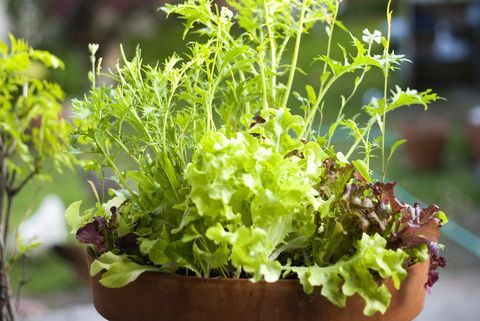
x: 33, y: 133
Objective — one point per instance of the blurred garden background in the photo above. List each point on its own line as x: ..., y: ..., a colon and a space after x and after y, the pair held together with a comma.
x: 440, y: 163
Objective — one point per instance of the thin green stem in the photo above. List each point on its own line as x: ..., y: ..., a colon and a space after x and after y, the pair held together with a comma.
x: 114, y: 167
x: 311, y: 115
x: 211, y: 89
x: 329, y: 42
x: 281, y: 50
x: 262, y: 67
x: 329, y: 49
x: 385, y: 87
x: 94, y: 76
x: 362, y: 134
x: 273, y: 49
x: 240, y: 72
x: 354, y: 91
x: 324, y: 86
x: 293, y: 65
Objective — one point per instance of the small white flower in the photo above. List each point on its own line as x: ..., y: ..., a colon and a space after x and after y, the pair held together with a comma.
x: 93, y: 48
x: 227, y: 13
x: 321, y: 228
x: 370, y: 38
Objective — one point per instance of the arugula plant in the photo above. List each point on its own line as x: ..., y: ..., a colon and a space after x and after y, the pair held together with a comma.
x: 219, y: 177
x: 32, y: 135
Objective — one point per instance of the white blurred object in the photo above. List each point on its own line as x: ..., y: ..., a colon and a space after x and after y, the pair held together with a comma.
x: 3, y: 21
x: 400, y: 29
x: 47, y: 225
x: 473, y: 14
x: 446, y: 47
x: 370, y: 94
x: 474, y: 116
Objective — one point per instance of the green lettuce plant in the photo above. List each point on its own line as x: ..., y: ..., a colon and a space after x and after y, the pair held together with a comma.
x: 220, y: 177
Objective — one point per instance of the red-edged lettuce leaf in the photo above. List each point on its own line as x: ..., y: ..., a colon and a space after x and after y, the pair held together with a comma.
x: 417, y: 226
x: 94, y: 233
x: 102, y: 234
x: 374, y: 208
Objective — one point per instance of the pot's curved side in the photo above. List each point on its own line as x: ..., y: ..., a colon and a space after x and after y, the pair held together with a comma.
x: 426, y: 141
x: 164, y: 297
x: 473, y: 136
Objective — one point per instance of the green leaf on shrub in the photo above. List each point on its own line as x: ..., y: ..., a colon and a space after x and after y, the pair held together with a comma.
x: 443, y: 217
x: 73, y: 217
x: 363, y: 169
x: 119, y: 270
x: 354, y: 275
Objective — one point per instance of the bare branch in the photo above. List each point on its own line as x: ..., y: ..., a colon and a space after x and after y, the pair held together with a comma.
x: 5, y: 302
x: 4, y: 181
x: 8, y: 215
x: 12, y: 178
x: 28, y: 178
x: 12, y: 148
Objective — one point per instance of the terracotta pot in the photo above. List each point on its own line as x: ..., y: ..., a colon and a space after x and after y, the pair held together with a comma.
x: 166, y: 297
x: 473, y: 137
x: 426, y: 140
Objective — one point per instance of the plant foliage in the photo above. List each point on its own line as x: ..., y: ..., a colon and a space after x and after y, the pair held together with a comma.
x: 33, y: 133
x: 220, y: 178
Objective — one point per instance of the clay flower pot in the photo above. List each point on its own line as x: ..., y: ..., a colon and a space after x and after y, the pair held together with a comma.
x: 473, y: 133
x: 426, y: 140
x: 473, y: 137
x: 168, y: 297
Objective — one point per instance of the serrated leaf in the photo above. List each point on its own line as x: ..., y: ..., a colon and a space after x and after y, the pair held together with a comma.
x: 409, y: 97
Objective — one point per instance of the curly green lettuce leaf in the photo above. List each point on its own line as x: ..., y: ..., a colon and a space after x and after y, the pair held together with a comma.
x: 261, y: 183
x: 354, y: 275
x: 243, y: 178
x: 250, y: 250
x: 118, y: 270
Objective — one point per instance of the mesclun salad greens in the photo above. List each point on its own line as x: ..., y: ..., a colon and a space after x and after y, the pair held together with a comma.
x: 220, y: 178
